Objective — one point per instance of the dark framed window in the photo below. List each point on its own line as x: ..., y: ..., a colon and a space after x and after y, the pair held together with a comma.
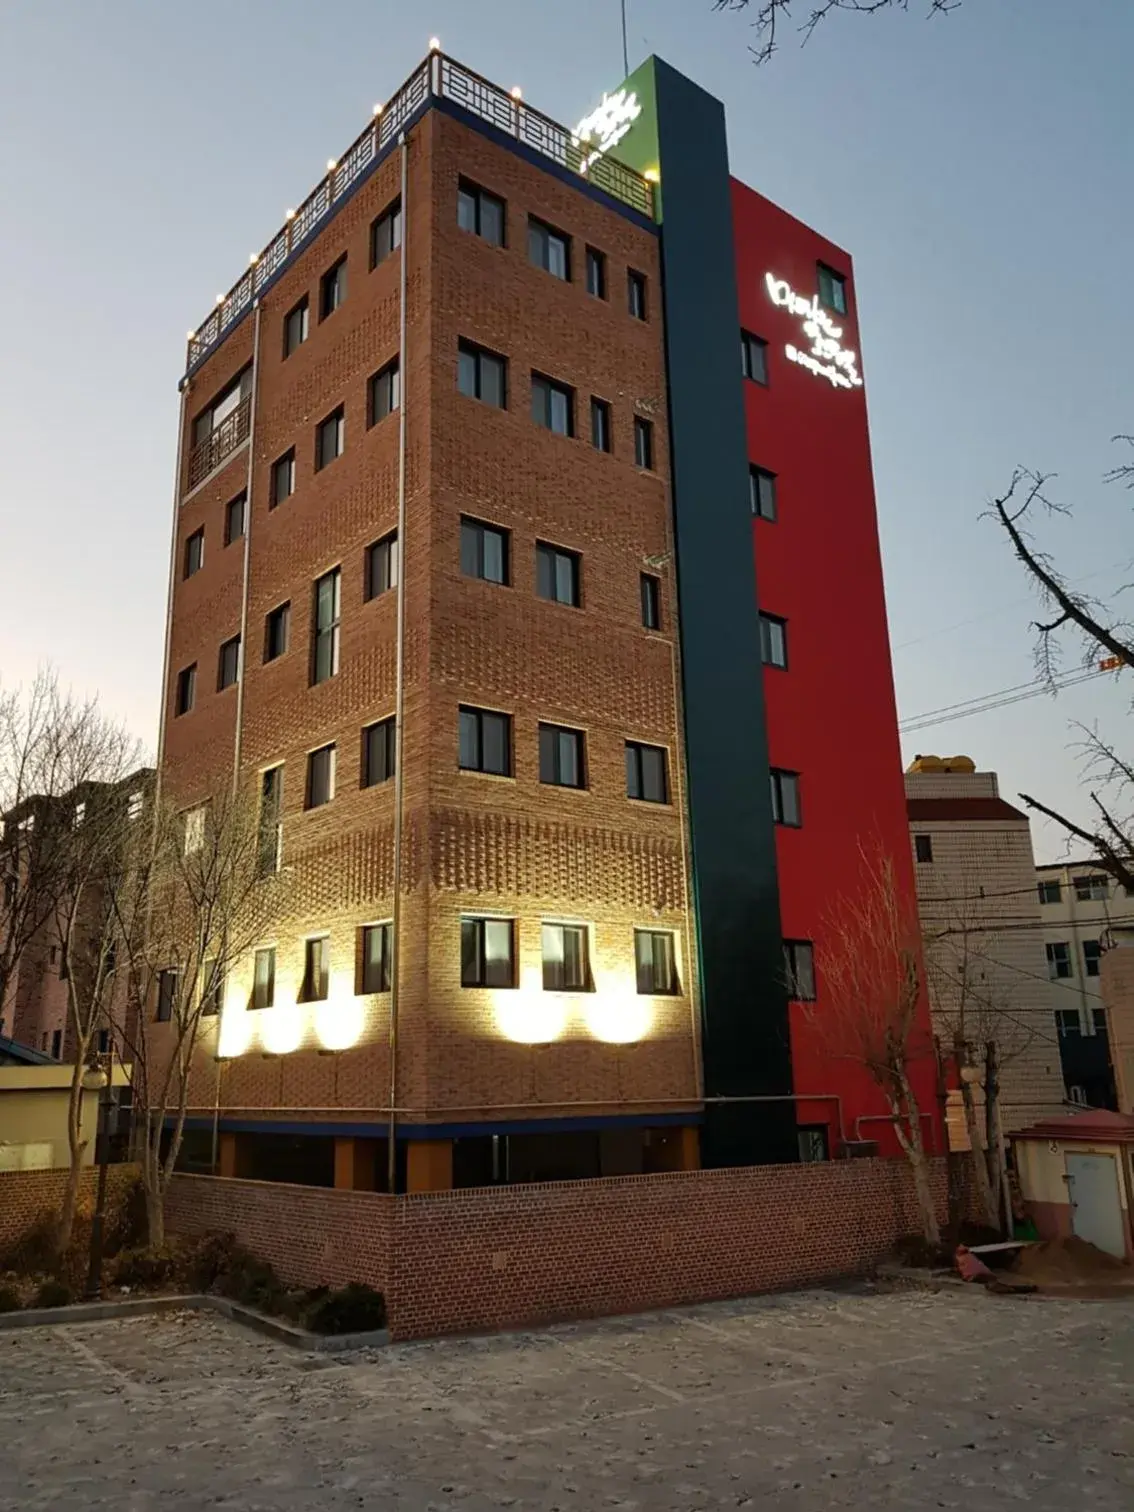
x: 488, y: 953
x: 223, y: 407
x: 166, y: 995
x: 549, y: 249
x: 380, y: 570
x: 186, y: 694
x: 320, y: 787
x: 330, y: 438
x: 264, y: 978
x: 923, y: 848
x: 1058, y: 959
x: 484, y: 551
x: 832, y: 290
x: 566, y: 958
x: 283, y: 478
x: 194, y: 553
x: 1098, y: 1021
x: 1092, y: 888
x: 813, y: 1143
x: 485, y: 741
x: 325, y: 624
x: 270, y: 827
x: 643, y: 443
x: 235, y: 514
x: 480, y: 212
x: 553, y: 405
x: 636, y: 294
x: 562, y: 756
x: 482, y: 375
x: 646, y: 775
x: 212, y: 988
x: 799, y: 970
x: 374, y: 943
x: 600, y: 425
x: 1068, y: 1024
x: 762, y: 492
x: 56, y: 1044
x: 785, y: 797
x: 655, y: 961
x: 385, y: 233
x: 295, y: 327
x: 753, y: 357
x: 379, y: 747
x: 316, y: 969
x: 384, y: 392
x: 228, y: 664
x: 773, y: 641
x: 596, y: 272
x: 1050, y: 892
x: 1092, y: 957
x: 651, y: 601
x: 277, y: 628
x: 332, y: 288
x: 558, y: 574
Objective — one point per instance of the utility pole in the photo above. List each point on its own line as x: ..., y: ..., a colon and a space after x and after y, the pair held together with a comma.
x: 625, y: 48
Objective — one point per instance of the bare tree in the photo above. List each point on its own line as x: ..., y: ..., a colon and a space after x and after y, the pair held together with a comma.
x: 770, y: 13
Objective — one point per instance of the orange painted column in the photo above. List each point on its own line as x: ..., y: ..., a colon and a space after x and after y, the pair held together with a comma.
x: 429, y: 1165
x: 354, y: 1164
x: 676, y: 1149
x: 226, y: 1155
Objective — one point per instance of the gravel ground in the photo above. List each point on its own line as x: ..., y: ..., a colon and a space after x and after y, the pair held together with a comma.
x: 868, y: 1397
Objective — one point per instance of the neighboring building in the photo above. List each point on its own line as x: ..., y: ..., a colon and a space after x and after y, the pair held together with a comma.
x: 499, y: 756
x: 1117, y: 984
x: 1079, y: 905
x: 975, y: 873
x: 34, y: 1097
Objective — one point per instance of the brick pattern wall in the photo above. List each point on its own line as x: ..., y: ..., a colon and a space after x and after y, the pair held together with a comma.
x: 26, y: 1196
x: 1117, y: 980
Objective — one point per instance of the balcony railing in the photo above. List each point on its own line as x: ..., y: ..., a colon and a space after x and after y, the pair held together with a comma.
x: 438, y: 77
x: 219, y: 443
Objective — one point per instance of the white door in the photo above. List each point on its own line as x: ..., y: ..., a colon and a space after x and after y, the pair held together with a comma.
x: 1096, y: 1211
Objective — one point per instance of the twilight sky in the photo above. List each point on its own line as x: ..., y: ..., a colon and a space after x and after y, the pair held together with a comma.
x: 977, y: 166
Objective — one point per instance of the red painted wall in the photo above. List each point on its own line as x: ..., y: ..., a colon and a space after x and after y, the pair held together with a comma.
x: 831, y: 714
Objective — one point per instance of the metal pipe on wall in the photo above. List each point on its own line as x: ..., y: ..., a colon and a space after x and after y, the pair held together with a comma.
x: 238, y: 735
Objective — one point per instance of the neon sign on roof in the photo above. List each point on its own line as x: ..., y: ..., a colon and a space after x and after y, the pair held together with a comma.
x: 607, y: 124
x: 826, y: 357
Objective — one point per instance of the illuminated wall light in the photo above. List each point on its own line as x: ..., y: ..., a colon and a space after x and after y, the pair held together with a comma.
x: 435, y: 44
x: 289, y: 215
x: 331, y: 165
x: 340, y: 1019
x: 281, y: 1027
x: 220, y: 299
x: 237, y: 1026
x: 378, y: 109
x: 653, y: 175
x: 253, y: 258
x: 516, y: 92
x: 618, y: 1015
x: 529, y: 1016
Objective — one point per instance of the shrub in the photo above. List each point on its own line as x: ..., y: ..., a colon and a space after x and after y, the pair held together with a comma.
x: 208, y: 1260
x: 145, y: 1268
x: 53, y: 1294
x: 36, y: 1250
x: 354, y: 1308
x: 10, y: 1300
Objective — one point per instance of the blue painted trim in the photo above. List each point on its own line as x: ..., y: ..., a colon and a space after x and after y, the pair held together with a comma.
x: 377, y: 1128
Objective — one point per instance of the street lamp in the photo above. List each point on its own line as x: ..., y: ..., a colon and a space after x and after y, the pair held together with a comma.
x: 96, y: 1080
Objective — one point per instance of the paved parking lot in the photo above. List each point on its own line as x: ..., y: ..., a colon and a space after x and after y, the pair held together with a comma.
x: 818, y: 1400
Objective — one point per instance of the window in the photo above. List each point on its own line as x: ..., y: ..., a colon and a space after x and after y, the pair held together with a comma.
x: 316, y: 969
x: 636, y: 293
x: 561, y: 762
x: 643, y: 443
x: 566, y: 962
x: 1091, y: 889
x: 264, y: 978
x: 135, y: 803
x: 1092, y: 950
x: 386, y: 233
x: 330, y: 437
x: 1050, y: 892
x: 762, y: 493
x: 785, y: 797
x: 484, y: 551
x: 295, y: 327
x: 283, y: 479
x: 656, y: 962
x: 166, y: 995
x: 223, y: 407
x: 753, y: 357
x: 596, y: 273
x: 381, y: 566
x: 325, y: 626
x: 487, y: 953
x: 645, y: 773
x: 56, y: 1043
x: 773, y: 641
x: 228, y: 664
x: 378, y: 752
x: 234, y: 514
x: 485, y: 742
x: 553, y: 405
x: 1058, y: 959
x: 320, y: 777
x: 812, y: 1139
x: 1067, y: 1023
x: 374, y: 958
x: 186, y: 689
x: 212, y: 988
x: 832, y: 290
x: 276, y: 629
x: 194, y: 553
x: 557, y: 574
x: 651, y: 601
x: 385, y: 393
x: 193, y: 830
x: 600, y: 425
x: 104, y: 1041
x: 482, y: 375
x: 799, y: 970
x: 271, y: 823
x: 549, y: 249
x: 923, y: 847
x: 1098, y: 1021
x: 332, y: 288
x: 480, y: 212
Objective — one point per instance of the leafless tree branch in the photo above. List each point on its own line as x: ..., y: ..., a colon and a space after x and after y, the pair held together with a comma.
x: 769, y: 12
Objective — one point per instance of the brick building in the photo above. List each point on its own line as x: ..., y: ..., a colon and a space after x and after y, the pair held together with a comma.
x: 447, y: 450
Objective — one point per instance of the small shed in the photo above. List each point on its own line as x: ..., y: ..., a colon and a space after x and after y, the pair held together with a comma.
x: 1076, y: 1176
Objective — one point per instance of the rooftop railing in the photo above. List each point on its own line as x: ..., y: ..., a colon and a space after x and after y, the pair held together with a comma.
x: 439, y: 77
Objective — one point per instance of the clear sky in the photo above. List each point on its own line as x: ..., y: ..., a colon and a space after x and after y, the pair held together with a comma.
x: 978, y: 166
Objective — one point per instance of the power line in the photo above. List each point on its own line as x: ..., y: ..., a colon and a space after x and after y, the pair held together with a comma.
x: 988, y: 702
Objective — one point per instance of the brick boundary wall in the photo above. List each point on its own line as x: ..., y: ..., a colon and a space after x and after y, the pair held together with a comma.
x: 26, y: 1196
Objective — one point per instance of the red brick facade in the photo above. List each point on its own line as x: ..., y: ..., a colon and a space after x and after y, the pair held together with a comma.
x: 26, y: 1196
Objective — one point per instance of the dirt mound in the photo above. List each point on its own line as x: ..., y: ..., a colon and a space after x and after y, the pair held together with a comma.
x: 1070, y: 1260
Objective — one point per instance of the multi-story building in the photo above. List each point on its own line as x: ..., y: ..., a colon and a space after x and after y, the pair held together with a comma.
x: 517, y: 525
